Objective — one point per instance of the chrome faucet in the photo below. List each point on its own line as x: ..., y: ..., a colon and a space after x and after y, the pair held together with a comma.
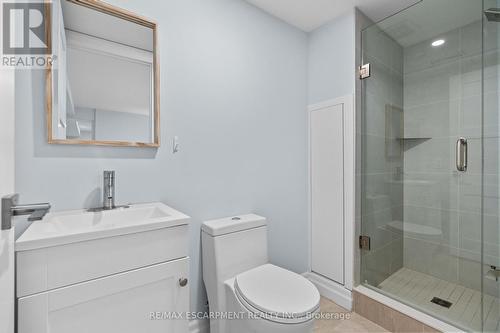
x: 108, y: 194
x: 11, y: 208
x: 108, y: 190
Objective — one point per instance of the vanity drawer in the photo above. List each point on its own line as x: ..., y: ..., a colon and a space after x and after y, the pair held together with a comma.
x: 119, y: 303
x: 58, y: 266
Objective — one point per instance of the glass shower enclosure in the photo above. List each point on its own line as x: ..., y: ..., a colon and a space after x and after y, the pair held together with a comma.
x: 430, y: 160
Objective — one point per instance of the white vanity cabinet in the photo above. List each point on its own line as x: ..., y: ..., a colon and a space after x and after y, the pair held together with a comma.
x: 104, y: 277
x: 121, y: 303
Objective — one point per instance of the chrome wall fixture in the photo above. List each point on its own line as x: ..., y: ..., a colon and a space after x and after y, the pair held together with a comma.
x: 11, y: 208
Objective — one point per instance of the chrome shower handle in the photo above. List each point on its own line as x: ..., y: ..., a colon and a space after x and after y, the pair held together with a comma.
x: 461, y: 154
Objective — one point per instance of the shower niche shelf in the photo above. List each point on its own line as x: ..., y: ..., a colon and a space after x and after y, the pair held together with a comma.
x: 414, y: 138
x: 410, y: 142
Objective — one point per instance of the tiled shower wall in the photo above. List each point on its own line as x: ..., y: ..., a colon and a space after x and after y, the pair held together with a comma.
x: 442, y: 206
x: 382, y: 159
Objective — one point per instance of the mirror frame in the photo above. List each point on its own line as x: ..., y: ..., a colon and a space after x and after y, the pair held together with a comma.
x: 126, y: 15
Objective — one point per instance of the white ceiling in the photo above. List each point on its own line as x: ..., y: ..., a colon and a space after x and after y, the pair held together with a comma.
x: 430, y: 19
x: 310, y: 14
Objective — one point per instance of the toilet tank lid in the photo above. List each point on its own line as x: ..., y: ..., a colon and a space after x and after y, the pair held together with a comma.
x: 232, y: 224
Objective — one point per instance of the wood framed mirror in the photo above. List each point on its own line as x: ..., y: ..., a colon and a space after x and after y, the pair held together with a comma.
x: 103, y: 87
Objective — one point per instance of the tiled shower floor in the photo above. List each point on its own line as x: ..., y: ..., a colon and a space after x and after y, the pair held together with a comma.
x: 418, y: 289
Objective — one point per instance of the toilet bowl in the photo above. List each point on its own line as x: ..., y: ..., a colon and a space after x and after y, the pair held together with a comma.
x: 272, y: 299
x: 245, y: 292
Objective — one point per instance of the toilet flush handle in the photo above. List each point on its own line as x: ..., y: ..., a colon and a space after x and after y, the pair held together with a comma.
x: 183, y: 282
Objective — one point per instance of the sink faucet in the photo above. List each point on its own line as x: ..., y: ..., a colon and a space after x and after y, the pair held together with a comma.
x: 109, y: 190
x: 108, y: 194
x: 11, y: 208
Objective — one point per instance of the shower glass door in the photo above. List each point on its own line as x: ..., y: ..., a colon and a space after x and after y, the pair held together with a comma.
x: 422, y: 161
x: 490, y: 197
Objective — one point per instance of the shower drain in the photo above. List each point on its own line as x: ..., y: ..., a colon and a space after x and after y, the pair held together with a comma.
x: 441, y: 302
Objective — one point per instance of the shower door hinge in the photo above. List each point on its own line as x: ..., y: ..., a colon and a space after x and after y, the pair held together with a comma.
x: 364, y: 71
x: 364, y: 243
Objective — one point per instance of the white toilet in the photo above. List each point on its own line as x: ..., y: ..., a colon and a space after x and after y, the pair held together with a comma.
x: 245, y: 292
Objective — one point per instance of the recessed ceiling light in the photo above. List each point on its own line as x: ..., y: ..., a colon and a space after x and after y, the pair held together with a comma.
x: 438, y: 42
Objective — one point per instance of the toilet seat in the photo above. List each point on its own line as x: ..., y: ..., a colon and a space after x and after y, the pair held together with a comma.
x: 277, y: 294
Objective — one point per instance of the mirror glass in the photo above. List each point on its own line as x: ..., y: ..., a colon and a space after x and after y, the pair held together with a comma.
x: 104, y: 78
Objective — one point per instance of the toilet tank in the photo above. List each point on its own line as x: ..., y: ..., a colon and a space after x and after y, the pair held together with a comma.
x: 235, y: 244
x: 231, y: 246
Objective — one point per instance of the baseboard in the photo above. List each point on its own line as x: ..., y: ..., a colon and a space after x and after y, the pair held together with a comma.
x: 331, y: 290
x: 199, y: 326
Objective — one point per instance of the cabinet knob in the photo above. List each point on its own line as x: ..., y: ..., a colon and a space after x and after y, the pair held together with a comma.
x: 183, y: 282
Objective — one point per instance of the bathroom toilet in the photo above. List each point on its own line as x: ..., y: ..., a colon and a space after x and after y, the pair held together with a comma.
x: 245, y: 292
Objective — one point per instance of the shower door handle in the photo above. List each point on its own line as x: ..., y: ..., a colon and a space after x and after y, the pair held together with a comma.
x: 461, y: 154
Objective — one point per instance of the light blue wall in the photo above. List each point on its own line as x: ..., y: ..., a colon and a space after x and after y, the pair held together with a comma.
x: 331, y: 63
x: 234, y: 83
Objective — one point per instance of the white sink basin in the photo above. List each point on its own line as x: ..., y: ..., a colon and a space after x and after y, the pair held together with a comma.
x: 80, y: 225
